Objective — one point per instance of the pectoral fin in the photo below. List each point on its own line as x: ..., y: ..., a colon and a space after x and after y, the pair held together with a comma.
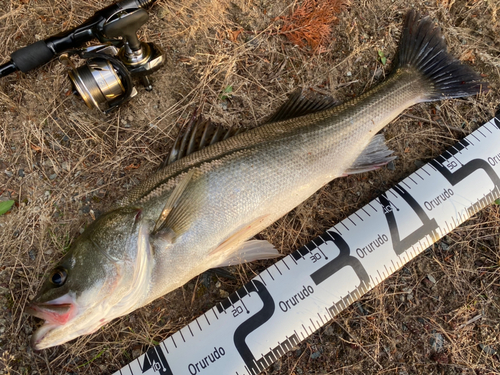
x: 172, y: 217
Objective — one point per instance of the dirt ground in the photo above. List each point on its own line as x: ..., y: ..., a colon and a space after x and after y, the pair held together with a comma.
x: 64, y: 164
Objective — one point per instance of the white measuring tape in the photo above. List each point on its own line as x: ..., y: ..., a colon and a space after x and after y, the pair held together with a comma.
x: 260, y: 322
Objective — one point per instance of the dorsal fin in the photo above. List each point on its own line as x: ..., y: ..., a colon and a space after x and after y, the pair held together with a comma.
x: 200, y: 133
x: 302, y: 102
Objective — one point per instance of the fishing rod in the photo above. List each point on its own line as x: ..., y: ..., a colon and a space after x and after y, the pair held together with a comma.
x: 104, y: 81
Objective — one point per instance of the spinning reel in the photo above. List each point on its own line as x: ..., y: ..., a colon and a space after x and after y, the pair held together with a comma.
x: 104, y: 80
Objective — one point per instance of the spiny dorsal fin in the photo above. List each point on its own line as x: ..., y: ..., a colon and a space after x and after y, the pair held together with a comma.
x: 302, y: 102
x: 200, y: 133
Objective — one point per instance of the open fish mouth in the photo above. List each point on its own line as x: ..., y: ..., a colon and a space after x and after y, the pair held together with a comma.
x: 56, y: 314
x: 52, y: 313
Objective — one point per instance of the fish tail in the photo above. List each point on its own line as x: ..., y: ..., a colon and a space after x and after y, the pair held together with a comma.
x: 422, y: 48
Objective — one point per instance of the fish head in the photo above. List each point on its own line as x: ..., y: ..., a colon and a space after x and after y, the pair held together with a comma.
x: 105, y: 274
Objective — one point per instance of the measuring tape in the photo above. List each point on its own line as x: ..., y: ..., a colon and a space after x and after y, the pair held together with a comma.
x: 267, y: 317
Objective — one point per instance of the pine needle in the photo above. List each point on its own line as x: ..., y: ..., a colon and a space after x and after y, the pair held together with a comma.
x: 310, y: 24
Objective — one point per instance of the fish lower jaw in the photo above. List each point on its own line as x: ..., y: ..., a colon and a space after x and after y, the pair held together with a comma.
x: 47, y: 336
x: 37, y: 340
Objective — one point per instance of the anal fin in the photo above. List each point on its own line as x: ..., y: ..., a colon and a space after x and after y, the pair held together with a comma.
x: 374, y: 156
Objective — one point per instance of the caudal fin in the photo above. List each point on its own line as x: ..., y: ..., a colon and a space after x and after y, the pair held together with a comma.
x: 422, y: 47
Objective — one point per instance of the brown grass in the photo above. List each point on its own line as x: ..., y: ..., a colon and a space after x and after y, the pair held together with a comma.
x: 310, y: 24
x: 76, y: 162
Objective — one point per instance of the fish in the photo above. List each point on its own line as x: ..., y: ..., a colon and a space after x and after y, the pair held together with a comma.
x: 220, y: 189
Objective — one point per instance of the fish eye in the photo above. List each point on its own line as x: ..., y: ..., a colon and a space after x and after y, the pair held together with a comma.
x: 58, y: 277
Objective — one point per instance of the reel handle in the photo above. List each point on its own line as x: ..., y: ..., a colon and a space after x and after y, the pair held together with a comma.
x: 126, y: 26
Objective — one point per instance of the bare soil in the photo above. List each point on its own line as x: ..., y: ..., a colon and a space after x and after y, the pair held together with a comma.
x: 65, y: 164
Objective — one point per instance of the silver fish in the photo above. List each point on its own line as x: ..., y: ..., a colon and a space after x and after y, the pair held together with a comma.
x: 199, y: 211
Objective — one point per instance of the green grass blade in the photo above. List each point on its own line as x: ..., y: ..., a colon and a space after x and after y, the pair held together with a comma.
x: 5, y: 206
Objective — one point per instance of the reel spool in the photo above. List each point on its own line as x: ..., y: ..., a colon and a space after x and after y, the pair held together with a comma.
x: 102, y: 84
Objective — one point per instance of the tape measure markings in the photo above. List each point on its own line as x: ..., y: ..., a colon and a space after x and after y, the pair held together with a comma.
x: 265, y: 318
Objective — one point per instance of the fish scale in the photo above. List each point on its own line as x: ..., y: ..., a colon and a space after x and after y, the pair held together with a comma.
x: 331, y: 131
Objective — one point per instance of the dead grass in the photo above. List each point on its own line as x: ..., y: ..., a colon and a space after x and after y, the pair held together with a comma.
x: 310, y: 23
x: 76, y: 162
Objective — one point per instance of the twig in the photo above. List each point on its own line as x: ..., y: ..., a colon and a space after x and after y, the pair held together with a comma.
x: 477, y: 317
x: 435, y: 123
x: 355, y: 342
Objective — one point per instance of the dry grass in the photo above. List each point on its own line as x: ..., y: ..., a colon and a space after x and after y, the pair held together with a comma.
x: 310, y: 24
x: 76, y: 162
